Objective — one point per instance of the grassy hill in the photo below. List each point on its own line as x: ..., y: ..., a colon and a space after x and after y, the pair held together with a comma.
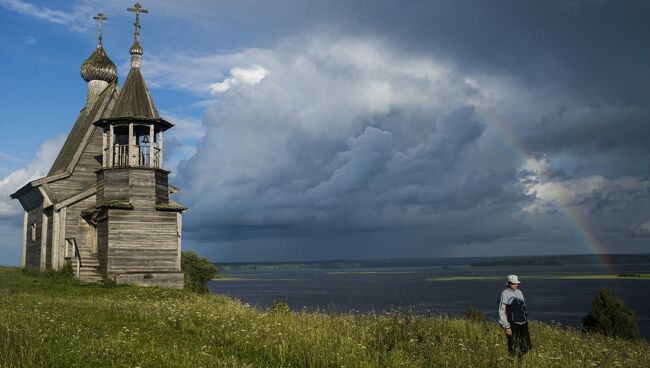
x: 53, y: 323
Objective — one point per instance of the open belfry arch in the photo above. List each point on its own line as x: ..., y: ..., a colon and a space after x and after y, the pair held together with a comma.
x: 105, y: 204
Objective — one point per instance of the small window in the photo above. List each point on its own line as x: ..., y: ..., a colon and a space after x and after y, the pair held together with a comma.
x: 32, y: 230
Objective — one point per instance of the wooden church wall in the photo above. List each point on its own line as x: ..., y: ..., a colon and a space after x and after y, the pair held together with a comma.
x: 77, y: 227
x: 162, y: 187
x: 102, y: 242
x: 48, y: 239
x: 113, y: 185
x: 142, y: 241
x: 83, y: 175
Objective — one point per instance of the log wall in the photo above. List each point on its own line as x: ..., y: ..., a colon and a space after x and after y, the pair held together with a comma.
x: 142, y: 240
x: 48, y: 238
x: 139, y: 245
x: 162, y: 187
x: 83, y: 175
x: 102, y: 242
x: 78, y: 228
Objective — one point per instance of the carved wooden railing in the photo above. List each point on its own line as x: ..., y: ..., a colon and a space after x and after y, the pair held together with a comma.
x: 120, y: 155
x: 142, y: 156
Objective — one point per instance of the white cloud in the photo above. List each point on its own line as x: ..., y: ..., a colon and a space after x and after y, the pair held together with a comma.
x: 238, y: 77
x: 77, y: 19
x: 37, y: 168
x: 551, y: 191
x: 615, y: 209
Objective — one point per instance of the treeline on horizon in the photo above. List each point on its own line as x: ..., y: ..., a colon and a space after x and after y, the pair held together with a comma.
x: 513, y: 261
x: 564, y: 260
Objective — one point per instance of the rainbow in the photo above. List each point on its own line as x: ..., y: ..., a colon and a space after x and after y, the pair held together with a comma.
x: 575, y: 218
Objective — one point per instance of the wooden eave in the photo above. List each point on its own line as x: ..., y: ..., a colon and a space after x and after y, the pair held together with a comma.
x: 91, y: 214
x: 126, y: 120
x: 172, y: 206
x: 133, y: 168
x: 23, y: 190
x: 49, y: 179
x: 90, y: 191
x: 23, y: 194
x: 116, y: 204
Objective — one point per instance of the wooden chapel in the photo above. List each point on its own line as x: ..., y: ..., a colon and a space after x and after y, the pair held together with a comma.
x: 105, y: 204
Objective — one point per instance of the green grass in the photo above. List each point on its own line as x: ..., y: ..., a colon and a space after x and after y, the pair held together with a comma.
x: 52, y: 323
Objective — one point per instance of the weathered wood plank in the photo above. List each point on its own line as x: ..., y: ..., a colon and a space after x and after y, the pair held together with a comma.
x: 23, y: 255
x: 43, y: 255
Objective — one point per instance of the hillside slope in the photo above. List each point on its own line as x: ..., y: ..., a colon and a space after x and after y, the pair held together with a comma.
x: 52, y: 323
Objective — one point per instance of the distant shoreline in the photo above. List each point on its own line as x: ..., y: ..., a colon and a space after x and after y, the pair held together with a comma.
x: 635, y: 276
x: 513, y: 261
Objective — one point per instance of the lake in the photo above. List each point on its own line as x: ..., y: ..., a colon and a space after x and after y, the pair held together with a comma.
x: 550, y: 296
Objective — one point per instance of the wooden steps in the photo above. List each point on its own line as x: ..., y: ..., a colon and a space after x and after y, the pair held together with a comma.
x: 89, y: 270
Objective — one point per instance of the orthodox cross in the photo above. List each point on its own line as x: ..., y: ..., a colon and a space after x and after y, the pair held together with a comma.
x: 100, y: 17
x: 137, y: 9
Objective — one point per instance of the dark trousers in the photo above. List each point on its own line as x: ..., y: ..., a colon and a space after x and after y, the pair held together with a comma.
x: 519, y: 342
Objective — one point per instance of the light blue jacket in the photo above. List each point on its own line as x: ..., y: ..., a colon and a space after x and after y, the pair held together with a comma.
x: 507, y: 297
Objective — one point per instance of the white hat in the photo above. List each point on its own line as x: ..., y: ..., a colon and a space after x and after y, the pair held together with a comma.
x: 513, y: 279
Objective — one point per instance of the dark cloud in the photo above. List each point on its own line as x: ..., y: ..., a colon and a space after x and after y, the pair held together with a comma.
x: 306, y: 154
x: 596, y: 49
x: 611, y: 140
x: 587, y: 130
x: 407, y: 126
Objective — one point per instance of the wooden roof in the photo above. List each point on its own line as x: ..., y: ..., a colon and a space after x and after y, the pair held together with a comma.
x: 135, y: 100
x: 75, y: 139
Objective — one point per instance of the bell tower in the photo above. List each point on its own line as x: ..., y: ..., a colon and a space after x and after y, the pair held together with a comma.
x: 138, y: 225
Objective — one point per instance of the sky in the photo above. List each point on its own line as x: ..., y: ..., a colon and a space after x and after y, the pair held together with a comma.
x: 311, y: 130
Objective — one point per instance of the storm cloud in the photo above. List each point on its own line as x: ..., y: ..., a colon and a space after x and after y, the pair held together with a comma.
x: 347, y: 135
x: 342, y: 136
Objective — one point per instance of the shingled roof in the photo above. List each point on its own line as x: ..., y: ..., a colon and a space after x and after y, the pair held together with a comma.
x: 84, y: 122
x: 135, y: 100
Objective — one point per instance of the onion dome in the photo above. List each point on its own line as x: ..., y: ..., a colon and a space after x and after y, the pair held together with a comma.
x: 136, y: 49
x: 99, y: 67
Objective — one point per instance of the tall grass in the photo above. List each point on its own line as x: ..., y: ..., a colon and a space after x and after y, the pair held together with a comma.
x: 47, y: 322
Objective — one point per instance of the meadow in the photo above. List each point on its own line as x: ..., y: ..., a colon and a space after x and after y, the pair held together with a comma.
x: 46, y: 322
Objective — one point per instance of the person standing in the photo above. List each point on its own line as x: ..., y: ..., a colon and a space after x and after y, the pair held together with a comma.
x: 513, y: 317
